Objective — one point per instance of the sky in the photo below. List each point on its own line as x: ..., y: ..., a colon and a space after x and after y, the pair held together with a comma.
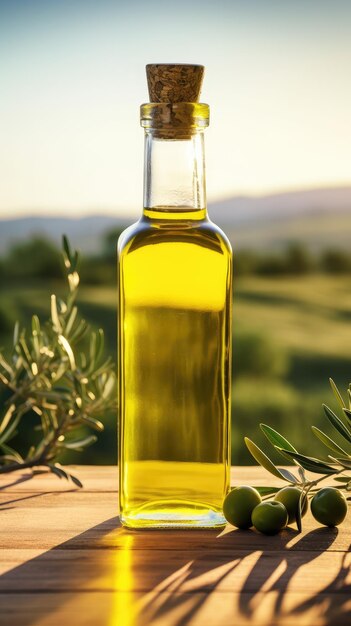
x: 72, y: 78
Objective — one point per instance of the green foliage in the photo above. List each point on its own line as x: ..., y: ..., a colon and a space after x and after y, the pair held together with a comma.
x: 270, y: 265
x: 335, y: 261
x: 6, y: 319
x: 262, y: 458
x: 332, y: 445
x: 35, y: 258
x: 245, y: 262
x: 52, y: 374
x: 333, y: 467
x: 342, y: 428
x: 301, y: 322
x: 270, y: 400
x: 298, y: 259
x: 98, y: 271
x: 293, y: 259
x: 255, y: 354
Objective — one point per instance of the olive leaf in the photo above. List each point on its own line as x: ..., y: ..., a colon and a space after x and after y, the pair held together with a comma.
x: 79, y: 444
x: 337, y: 423
x: 347, y: 413
x: 288, y: 475
x: 62, y: 383
x: 276, y: 438
x: 278, y: 441
x: 346, y: 463
x: 55, y: 468
x: 264, y: 460
x: 337, y: 393
x: 328, y: 441
x: 300, y: 506
x: 267, y: 491
x: 75, y: 480
x: 341, y: 462
x: 311, y: 464
x: 261, y: 457
x: 7, y: 417
x: 302, y: 474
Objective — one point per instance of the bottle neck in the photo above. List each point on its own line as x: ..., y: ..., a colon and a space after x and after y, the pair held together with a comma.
x: 174, y: 176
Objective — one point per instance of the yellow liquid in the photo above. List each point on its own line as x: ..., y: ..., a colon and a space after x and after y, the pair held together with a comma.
x: 174, y: 372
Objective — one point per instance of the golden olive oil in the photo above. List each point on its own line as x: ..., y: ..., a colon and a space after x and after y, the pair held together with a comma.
x: 175, y: 271
x: 175, y: 295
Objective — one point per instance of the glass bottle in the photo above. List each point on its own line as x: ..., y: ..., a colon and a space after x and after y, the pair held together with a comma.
x: 175, y: 273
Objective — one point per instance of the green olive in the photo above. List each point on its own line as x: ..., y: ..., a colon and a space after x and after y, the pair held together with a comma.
x: 289, y: 496
x: 239, y: 504
x: 270, y: 517
x: 329, y: 506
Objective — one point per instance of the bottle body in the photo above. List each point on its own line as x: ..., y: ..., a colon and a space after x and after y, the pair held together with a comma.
x: 175, y: 273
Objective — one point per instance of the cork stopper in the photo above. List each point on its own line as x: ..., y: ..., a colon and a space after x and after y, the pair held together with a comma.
x: 174, y: 82
x: 174, y: 110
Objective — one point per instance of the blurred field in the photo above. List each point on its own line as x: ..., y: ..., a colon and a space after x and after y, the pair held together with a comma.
x: 310, y: 313
x: 303, y: 327
x: 290, y: 334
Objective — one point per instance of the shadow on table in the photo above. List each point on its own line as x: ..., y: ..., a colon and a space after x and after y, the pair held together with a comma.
x: 330, y: 606
x: 109, y: 576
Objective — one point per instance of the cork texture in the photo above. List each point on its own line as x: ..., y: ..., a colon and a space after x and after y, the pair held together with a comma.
x: 174, y: 82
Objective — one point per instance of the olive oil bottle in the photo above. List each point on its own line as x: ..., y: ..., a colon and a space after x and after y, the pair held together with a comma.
x: 175, y: 273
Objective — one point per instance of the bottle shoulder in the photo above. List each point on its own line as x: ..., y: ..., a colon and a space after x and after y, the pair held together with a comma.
x: 128, y: 235
x: 219, y: 233
x: 203, y: 233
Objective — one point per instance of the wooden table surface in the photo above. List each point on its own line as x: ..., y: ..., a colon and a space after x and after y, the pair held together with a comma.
x: 66, y: 561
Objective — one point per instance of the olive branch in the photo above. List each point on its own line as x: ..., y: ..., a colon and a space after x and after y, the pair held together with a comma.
x: 49, y: 374
x: 332, y: 466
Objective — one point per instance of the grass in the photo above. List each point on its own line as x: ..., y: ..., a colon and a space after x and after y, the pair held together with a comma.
x: 304, y: 322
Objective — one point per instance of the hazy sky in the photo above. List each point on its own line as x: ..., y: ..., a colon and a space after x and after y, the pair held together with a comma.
x: 72, y: 77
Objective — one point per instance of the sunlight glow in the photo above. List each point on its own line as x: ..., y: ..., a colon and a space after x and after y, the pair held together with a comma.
x: 73, y: 75
x: 124, y: 606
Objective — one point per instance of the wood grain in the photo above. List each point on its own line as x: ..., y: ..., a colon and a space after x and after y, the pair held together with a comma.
x: 66, y: 560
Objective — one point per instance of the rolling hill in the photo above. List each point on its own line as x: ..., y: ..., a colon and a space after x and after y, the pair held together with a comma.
x: 318, y: 217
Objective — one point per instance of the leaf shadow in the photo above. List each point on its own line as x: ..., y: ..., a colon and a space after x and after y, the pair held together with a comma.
x: 309, y: 548
x: 109, y: 574
x: 31, y: 496
x: 18, y: 481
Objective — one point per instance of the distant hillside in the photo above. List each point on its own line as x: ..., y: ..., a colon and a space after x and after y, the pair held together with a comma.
x: 283, y: 205
x: 317, y: 217
x: 85, y: 233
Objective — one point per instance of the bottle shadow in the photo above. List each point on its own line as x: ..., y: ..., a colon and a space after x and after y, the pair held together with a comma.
x: 110, y: 575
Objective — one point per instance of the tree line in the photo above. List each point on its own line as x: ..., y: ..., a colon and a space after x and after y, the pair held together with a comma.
x: 39, y: 258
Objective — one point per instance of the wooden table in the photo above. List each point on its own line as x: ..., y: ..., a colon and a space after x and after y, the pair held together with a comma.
x: 65, y: 561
